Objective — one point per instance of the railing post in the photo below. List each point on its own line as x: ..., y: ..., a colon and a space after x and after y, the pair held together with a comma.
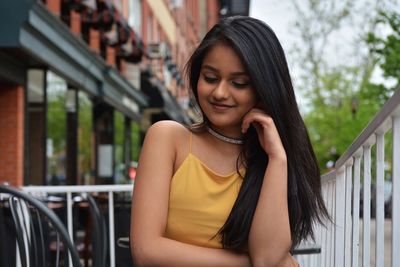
x: 332, y: 232
x: 112, y: 227
x: 396, y: 193
x: 380, y: 206
x: 323, y: 230
x: 356, y: 210
x: 348, y: 232
x: 367, y: 206
x: 340, y: 217
x: 70, y: 222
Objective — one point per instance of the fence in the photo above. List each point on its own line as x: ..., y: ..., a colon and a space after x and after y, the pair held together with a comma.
x: 343, y: 244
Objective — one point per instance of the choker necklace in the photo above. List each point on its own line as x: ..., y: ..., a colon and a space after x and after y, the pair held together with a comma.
x: 236, y: 141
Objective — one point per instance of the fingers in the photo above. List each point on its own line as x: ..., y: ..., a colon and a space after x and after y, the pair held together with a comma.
x: 255, y: 116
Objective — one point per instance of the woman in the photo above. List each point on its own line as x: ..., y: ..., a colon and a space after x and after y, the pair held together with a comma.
x: 242, y: 188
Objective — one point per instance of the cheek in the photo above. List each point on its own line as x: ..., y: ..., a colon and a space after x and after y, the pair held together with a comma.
x: 202, y: 91
x: 201, y: 95
x: 250, y: 99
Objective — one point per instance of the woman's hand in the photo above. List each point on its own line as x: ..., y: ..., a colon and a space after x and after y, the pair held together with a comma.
x: 267, y: 133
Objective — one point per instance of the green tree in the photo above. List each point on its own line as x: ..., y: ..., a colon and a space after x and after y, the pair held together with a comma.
x: 387, y: 50
x: 341, y: 98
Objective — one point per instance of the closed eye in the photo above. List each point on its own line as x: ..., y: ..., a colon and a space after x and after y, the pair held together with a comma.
x: 240, y: 85
x: 209, y: 79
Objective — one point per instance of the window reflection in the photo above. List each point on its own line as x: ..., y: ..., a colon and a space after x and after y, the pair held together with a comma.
x: 56, y: 129
x: 119, y: 173
x: 85, y: 139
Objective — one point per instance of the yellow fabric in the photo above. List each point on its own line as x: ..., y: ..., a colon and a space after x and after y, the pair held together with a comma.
x: 200, y: 202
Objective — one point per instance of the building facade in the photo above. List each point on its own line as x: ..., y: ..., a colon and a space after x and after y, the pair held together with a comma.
x: 82, y: 80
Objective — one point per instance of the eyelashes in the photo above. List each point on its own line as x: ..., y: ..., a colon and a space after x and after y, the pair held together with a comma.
x: 215, y: 80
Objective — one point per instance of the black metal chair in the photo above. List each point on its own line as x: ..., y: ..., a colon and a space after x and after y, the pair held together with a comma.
x: 31, y: 218
x: 99, y: 234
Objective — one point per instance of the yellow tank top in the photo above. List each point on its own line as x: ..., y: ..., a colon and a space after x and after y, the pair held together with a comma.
x: 200, y: 201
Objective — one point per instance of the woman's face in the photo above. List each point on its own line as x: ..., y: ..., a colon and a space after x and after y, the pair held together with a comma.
x: 224, y: 89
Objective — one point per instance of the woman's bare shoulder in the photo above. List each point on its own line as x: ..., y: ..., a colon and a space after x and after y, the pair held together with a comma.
x: 168, y: 128
x: 168, y: 131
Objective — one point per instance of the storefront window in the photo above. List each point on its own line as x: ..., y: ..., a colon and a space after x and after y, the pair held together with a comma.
x: 56, y: 130
x: 85, y: 140
x: 136, y: 142
x: 118, y: 148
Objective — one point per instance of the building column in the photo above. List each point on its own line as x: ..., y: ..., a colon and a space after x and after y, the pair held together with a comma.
x: 35, y: 146
x: 12, y: 134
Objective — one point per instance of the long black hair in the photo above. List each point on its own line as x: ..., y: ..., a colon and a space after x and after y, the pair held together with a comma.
x: 265, y: 63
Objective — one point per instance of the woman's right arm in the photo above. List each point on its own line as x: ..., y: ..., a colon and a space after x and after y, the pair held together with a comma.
x: 150, y: 209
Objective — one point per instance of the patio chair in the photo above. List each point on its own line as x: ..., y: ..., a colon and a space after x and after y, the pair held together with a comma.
x: 32, y: 223
x: 99, y: 234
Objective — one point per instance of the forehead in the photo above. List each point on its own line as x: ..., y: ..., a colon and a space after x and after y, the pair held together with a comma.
x: 223, y: 58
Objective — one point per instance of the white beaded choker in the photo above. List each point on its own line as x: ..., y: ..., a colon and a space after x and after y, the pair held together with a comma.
x: 236, y: 141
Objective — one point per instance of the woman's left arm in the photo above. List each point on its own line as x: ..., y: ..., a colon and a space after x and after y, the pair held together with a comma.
x: 269, y: 237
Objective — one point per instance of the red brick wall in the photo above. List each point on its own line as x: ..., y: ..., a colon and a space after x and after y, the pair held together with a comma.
x: 11, y: 134
x: 110, y: 55
x: 213, y: 12
x: 145, y: 14
x: 75, y: 23
x: 94, y: 40
x: 54, y: 6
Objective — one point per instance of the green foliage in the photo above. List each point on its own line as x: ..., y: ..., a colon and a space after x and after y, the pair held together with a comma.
x: 337, y: 117
x: 119, y: 141
x: 136, y: 141
x: 56, y: 121
x: 388, y: 48
x: 342, y: 98
x: 56, y: 129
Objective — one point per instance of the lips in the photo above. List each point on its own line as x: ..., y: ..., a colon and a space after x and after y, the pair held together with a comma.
x: 221, y: 106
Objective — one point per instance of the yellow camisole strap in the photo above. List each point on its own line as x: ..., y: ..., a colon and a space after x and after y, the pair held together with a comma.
x: 190, y: 142
x: 200, y: 202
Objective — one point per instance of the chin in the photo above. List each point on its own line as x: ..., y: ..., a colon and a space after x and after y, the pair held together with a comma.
x: 224, y: 123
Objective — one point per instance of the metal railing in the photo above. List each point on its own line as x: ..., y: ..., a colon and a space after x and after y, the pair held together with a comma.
x: 349, y: 241
x: 43, y: 191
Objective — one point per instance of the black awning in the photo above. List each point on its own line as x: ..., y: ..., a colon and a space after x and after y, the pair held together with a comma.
x: 160, y: 97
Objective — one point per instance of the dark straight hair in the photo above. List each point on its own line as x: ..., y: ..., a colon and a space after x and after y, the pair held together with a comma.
x: 265, y: 63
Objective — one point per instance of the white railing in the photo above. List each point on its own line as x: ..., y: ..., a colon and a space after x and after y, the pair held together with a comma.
x: 43, y: 191
x: 342, y: 243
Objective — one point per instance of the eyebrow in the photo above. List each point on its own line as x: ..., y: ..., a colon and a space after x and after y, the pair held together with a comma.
x: 237, y: 73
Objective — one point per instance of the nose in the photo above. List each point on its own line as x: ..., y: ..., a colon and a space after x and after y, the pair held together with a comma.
x: 221, y: 90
